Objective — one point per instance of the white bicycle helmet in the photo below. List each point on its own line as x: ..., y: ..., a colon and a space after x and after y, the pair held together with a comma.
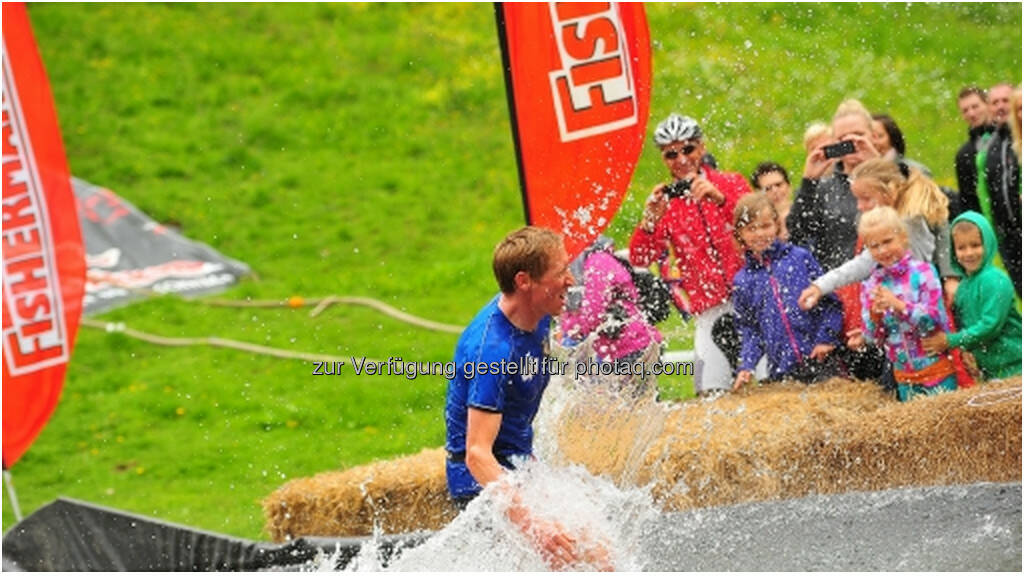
x: 676, y: 128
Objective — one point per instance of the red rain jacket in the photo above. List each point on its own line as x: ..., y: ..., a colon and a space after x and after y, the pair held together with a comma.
x: 699, y: 235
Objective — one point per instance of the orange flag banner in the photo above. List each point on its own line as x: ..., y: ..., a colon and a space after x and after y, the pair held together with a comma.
x: 578, y: 77
x: 43, y: 259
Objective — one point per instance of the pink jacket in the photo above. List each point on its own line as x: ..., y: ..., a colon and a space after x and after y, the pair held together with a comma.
x: 609, y: 307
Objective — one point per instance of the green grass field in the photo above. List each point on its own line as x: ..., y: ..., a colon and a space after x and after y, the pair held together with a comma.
x: 365, y: 150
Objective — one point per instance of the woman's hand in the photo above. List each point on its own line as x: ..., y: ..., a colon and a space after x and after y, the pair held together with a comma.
x: 817, y: 165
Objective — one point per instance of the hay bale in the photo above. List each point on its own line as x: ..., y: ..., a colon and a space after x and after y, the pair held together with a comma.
x: 777, y: 442
x: 398, y: 496
x: 788, y: 441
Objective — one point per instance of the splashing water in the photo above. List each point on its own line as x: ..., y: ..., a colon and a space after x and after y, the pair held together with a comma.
x: 607, y: 522
x: 618, y: 414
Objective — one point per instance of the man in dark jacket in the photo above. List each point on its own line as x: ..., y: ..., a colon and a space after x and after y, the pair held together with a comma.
x: 973, y: 104
x: 1002, y: 176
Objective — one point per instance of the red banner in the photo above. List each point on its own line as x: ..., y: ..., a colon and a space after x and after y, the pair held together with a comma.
x: 579, y: 80
x: 43, y: 259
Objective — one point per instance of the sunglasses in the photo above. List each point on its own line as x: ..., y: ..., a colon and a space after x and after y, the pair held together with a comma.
x: 673, y: 154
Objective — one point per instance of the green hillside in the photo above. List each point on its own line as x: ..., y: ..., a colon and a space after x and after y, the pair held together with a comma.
x: 364, y: 149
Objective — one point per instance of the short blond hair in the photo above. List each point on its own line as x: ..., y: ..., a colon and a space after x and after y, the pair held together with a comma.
x: 529, y: 249
x: 881, y: 218
x: 814, y: 132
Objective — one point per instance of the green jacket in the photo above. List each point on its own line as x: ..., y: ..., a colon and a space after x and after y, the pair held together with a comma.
x: 990, y: 326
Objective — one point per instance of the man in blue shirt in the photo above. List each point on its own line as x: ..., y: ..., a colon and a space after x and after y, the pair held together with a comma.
x: 500, y: 377
x: 485, y: 388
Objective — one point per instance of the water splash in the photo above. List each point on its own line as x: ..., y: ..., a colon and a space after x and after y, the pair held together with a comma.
x: 613, y: 419
x: 606, y: 522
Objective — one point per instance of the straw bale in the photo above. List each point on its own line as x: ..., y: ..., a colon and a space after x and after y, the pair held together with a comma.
x: 397, y: 496
x: 776, y: 442
x: 791, y: 440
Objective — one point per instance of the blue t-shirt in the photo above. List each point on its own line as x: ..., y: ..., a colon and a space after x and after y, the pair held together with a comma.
x: 513, y: 392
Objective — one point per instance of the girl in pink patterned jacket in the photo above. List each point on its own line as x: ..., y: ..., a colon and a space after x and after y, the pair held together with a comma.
x: 901, y: 303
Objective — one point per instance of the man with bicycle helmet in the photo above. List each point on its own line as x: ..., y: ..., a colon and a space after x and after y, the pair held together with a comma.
x: 687, y: 229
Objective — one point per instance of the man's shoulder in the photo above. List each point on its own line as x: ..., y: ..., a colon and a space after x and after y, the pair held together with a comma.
x: 1002, y: 140
x: 967, y: 147
x: 487, y: 332
x: 491, y: 337
x: 484, y: 315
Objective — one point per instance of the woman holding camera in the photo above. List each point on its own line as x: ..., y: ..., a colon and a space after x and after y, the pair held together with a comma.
x: 687, y: 229
x: 823, y: 218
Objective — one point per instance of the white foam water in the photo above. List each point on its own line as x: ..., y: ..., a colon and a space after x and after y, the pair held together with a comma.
x: 605, y: 522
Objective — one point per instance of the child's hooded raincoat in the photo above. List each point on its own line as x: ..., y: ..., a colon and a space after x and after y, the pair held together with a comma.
x: 990, y: 326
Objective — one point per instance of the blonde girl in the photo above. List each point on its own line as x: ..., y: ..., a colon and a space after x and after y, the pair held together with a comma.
x: 901, y: 304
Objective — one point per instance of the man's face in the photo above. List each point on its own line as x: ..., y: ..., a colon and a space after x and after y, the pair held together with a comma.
x: 683, y: 158
x: 549, y: 291
x: 974, y: 110
x: 999, y: 103
x: 849, y: 128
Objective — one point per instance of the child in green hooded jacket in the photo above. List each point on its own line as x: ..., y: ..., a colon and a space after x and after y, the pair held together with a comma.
x: 990, y: 326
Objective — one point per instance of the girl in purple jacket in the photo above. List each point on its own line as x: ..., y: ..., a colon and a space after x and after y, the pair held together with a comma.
x: 798, y: 343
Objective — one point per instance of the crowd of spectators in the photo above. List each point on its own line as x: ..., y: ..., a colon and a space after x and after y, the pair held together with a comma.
x: 753, y: 275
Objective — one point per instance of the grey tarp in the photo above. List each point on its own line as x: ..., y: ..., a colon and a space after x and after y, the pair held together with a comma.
x: 69, y: 535
x: 129, y: 255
